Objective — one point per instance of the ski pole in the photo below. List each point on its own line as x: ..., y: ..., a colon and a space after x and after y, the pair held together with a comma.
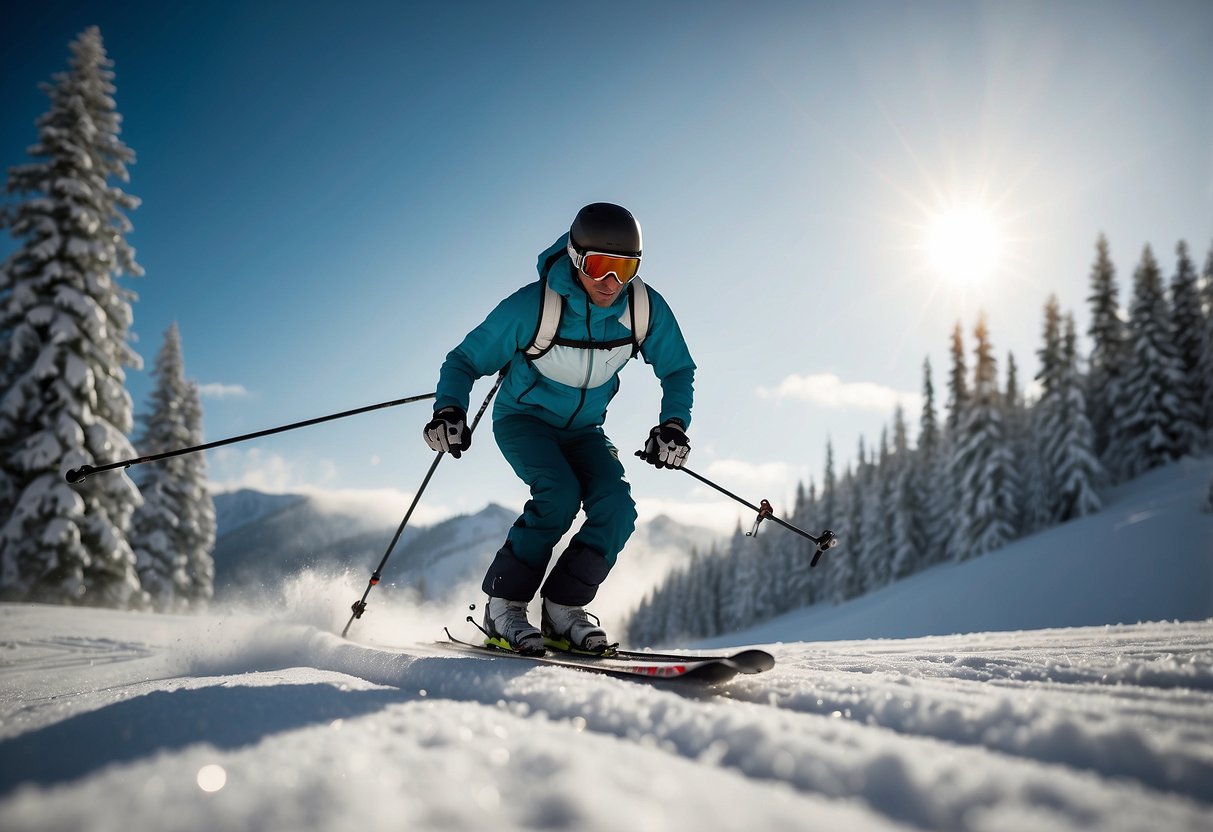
x: 827, y: 540
x: 75, y: 475
x: 359, y: 606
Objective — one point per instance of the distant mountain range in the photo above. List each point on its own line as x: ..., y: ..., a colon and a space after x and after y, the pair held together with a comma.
x: 265, y: 538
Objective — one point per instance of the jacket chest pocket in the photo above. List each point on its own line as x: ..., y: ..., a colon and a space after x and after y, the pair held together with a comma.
x: 581, y: 367
x: 614, y: 360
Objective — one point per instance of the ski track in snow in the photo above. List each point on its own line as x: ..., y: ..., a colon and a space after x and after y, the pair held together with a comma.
x: 107, y: 727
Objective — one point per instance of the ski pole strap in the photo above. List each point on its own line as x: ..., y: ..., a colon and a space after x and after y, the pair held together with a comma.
x: 764, y: 511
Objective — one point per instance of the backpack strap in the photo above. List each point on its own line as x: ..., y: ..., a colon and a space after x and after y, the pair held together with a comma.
x: 638, y: 308
x: 551, y: 310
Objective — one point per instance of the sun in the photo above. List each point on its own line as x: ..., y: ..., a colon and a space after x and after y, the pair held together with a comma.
x: 964, y: 244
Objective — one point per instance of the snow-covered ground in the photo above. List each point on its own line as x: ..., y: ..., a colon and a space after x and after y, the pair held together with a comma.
x: 267, y: 720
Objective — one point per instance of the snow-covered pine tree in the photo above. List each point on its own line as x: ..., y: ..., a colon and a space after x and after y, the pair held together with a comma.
x: 846, y: 576
x: 828, y: 504
x: 958, y: 389
x: 957, y: 412
x: 1033, y: 477
x: 1155, y: 424
x: 908, y: 531
x: 1041, y: 496
x: 1110, y: 356
x: 173, y: 532
x: 717, y: 587
x: 741, y: 600
x: 675, y: 626
x: 1188, y: 323
x: 1013, y: 398
x: 649, y: 620
x: 199, y: 517
x: 1071, y: 472
x: 982, y: 461
x: 935, y: 479
x: 1015, y: 420
x: 766, y: 550
x: 928, y: 425
x: 1206, y: 348
x: 64, y: 333
x: 1077, y: 471
x: 829, y: 512
x: 637, y: 623
x: 799, y: 506
x: 686, y: 603
x: 796, y: 587
x: 863, y: 508
x: 878, y: 507
x: 701, y: 604
x: 159, y: 557
x: 809, y: 591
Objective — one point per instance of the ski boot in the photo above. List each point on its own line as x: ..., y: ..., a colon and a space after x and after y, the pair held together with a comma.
x: 506, y: 626
x: 569, y: 629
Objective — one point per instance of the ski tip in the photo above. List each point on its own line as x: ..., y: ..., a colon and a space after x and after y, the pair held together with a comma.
x: 753, y: 661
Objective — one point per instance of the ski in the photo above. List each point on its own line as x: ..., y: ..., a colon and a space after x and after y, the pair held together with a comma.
x: 638, y: 664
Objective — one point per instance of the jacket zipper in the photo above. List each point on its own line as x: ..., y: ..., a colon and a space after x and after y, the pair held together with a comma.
x: 589, y: 371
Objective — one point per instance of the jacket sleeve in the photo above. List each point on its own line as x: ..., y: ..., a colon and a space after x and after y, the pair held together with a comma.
x: 666, y: 352
x: 488, y: 347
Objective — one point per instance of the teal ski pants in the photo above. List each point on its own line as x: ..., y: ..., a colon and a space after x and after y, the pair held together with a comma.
x: 566, y: 470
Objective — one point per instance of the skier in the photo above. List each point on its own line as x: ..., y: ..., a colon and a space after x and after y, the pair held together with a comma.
x: 595, y: 314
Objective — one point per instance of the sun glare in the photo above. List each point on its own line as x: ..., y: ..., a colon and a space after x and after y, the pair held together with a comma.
x: 964, y: 245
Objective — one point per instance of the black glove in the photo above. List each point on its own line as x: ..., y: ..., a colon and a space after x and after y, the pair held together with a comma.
x: 448, y: 431
x: 668, y: 445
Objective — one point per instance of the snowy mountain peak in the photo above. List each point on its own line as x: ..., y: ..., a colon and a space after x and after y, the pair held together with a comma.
x: 234, y: 509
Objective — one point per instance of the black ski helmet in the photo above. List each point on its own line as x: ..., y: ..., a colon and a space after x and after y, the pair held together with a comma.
x: 605, y: 227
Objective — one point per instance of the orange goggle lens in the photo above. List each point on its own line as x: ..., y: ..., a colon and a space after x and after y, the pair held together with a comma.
x: 600, y: 266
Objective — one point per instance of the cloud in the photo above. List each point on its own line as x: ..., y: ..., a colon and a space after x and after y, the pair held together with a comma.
x: 735, y: 474
x: 232, y: 469
x: 720, y: 516
x: 221, y: 391
x: 828, y: 390
x: 384, y: 505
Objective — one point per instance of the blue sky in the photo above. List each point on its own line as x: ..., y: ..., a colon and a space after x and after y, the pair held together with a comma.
x: 333, y: 194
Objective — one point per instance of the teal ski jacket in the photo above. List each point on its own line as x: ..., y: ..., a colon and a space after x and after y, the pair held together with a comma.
x: 500, y: 340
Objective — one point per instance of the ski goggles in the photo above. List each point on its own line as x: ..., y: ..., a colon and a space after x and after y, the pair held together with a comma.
x: 598, y: 266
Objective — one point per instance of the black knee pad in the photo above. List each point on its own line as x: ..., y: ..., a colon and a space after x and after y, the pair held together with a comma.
x: 510, y: 578
x: 574, y: 580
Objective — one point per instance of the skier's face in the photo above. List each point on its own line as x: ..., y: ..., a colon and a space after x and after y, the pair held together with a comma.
x: 601, y: 292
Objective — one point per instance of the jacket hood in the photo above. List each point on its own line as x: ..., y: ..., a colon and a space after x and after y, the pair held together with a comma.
x: 560, y: 273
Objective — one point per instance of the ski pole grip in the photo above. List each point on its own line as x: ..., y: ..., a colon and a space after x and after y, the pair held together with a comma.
x: 75, y: 475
